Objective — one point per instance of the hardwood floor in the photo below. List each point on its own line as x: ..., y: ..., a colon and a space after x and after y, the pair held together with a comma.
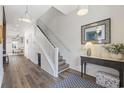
x: 22, y: 73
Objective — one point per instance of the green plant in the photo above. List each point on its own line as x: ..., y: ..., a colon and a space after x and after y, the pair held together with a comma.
x: 115, y: 48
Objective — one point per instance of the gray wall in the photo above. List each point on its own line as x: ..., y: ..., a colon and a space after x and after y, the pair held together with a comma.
x: 68, y: 29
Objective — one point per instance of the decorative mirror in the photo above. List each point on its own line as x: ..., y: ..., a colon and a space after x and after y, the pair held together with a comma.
x: 97, y: 32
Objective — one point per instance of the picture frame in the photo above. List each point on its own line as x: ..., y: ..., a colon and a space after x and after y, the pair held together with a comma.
x: 98, y: 32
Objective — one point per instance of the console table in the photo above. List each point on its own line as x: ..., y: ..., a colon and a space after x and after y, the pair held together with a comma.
x: 116, y: 64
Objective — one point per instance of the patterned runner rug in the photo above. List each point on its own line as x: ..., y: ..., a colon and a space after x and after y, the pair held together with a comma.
x: 74, y: 81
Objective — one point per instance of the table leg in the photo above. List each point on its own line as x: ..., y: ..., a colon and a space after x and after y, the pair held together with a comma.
x: 81, y: 69
x: 121, y: 78
x: 84, y: 68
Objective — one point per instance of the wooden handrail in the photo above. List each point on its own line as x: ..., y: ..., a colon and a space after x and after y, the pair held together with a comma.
x: 46, y: 36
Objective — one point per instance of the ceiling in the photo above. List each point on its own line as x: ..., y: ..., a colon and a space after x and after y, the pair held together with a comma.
x: 14, y: 12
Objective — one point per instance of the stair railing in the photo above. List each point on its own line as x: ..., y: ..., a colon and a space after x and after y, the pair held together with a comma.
x: 63, y: 50
x: 52, y: 36
x: 50, y: 51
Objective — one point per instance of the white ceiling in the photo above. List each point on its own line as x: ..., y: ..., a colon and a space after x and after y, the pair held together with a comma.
x: 14, y: 12
x: 65, y: 9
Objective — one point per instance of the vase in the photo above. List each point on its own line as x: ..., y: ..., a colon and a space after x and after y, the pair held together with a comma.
x: 117, y: 56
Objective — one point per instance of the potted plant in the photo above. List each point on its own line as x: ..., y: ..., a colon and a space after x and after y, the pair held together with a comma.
x: 116, y: 50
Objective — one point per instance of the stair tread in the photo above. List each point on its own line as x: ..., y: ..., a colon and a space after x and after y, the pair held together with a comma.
x: 64, y: 66
x: 61, y: 62
x: 61, y: 58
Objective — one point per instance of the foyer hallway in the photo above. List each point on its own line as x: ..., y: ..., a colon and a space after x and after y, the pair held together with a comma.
x: 21, y: 73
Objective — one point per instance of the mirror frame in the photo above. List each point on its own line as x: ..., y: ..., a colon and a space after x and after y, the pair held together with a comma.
x: 106, y: 22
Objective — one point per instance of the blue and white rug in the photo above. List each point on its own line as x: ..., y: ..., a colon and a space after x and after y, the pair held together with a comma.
x: 74, y: 81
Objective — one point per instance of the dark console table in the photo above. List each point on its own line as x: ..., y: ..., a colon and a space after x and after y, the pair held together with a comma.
x: 116, y: 64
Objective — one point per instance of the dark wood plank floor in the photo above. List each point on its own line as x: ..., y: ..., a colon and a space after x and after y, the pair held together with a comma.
x: 22, y: 73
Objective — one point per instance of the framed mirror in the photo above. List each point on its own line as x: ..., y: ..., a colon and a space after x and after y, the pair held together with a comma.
x: 97, y: 32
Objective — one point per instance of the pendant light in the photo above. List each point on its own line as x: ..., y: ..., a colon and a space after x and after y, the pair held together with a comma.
x: 26, y: 17
x: 82, y: 10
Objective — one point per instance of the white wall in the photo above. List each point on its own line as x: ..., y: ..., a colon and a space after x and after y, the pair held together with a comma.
x: 29, y: 46
x: 1, y: 15
x: 1, y: 64
x: 9, y: 47
x: 68, y: 29
x: 1, y: 52
x: 32, y: 49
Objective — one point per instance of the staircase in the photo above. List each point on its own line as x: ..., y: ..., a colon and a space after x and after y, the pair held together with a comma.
x: 62, y: 64
x: 49, y: 47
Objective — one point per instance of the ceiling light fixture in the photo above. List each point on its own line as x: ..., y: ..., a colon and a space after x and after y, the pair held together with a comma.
x: 26, y: 18
x: 82, y: 10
